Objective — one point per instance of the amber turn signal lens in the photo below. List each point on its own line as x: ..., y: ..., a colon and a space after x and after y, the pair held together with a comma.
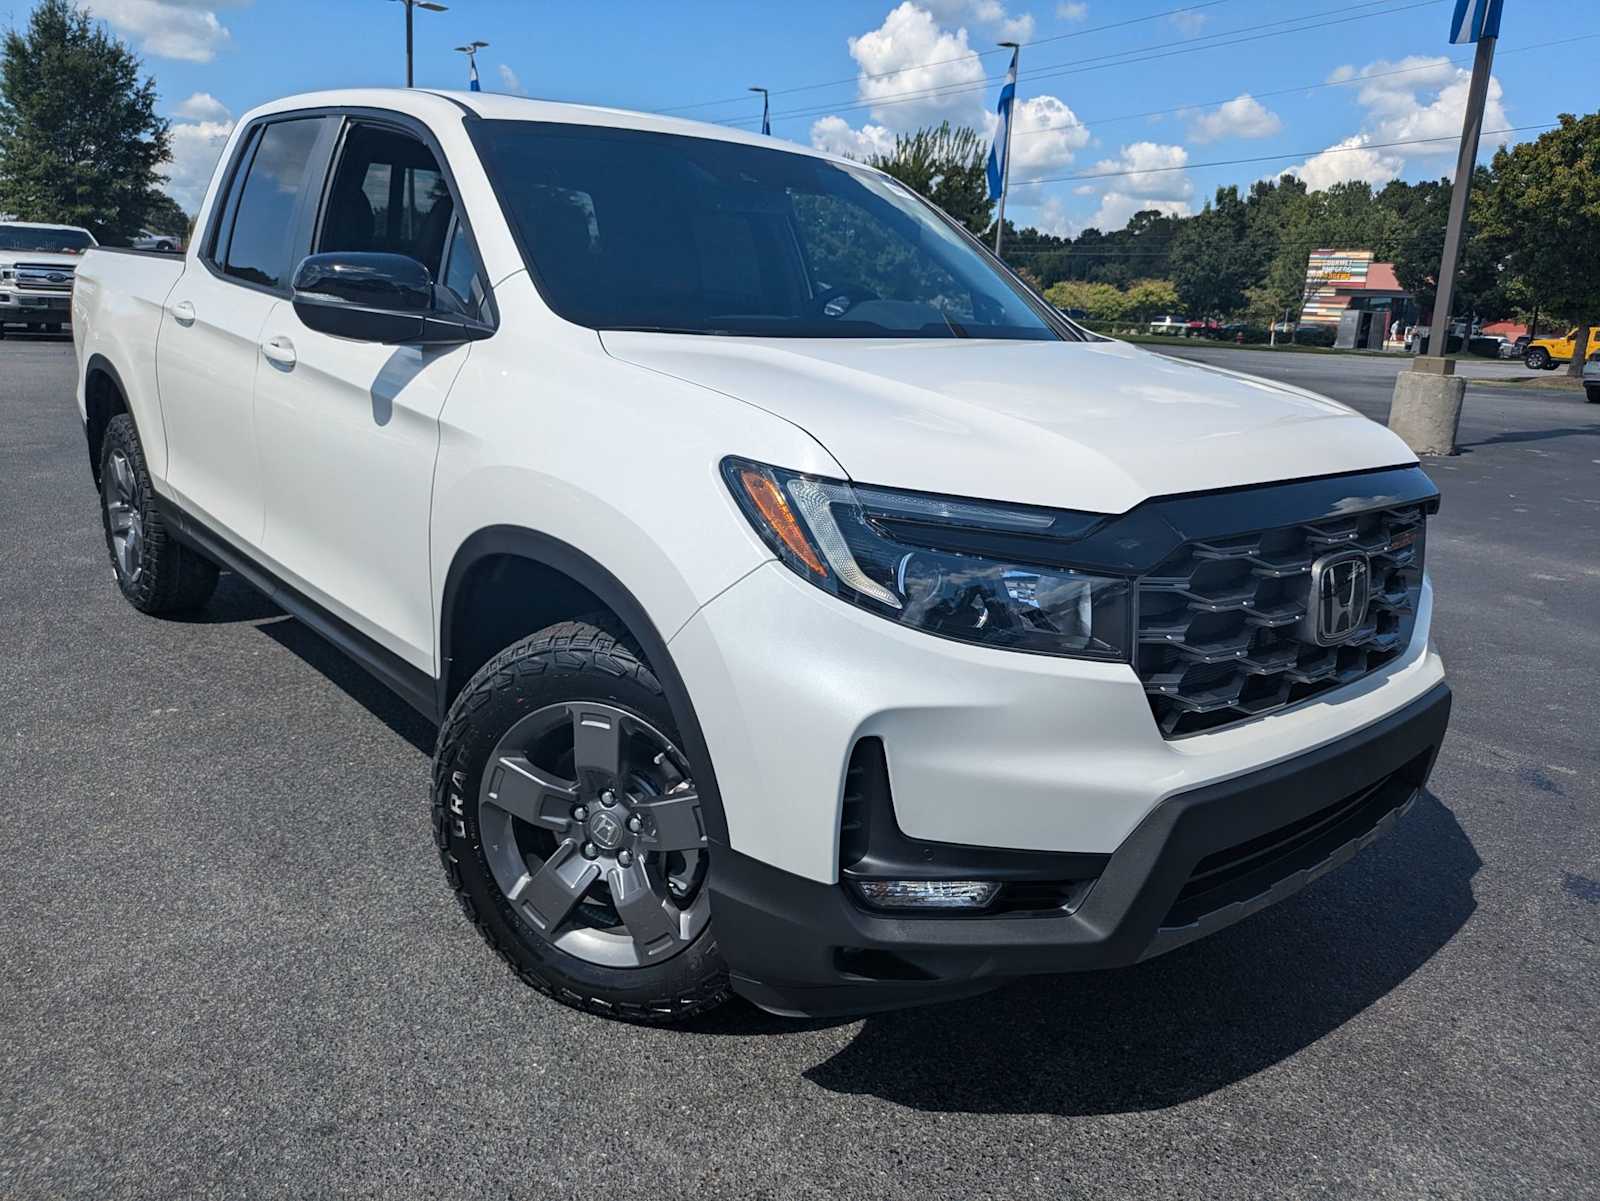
x: 775, y: 511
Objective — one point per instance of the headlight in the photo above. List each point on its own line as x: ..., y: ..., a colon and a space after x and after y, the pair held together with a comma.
x: 969, y: 570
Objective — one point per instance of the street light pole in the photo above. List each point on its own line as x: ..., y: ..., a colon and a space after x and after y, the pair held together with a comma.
x: 766, y: 118
x: 409, y: 5
x: 471, y: 51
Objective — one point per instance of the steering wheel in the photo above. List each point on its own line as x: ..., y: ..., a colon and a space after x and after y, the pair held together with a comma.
x: 836, y: 302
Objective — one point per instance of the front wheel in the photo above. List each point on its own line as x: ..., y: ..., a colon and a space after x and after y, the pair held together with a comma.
x: 570, y: 827
x: 1538, y: 359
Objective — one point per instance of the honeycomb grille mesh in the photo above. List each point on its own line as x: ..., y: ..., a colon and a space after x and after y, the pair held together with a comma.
x: 1219, y: 638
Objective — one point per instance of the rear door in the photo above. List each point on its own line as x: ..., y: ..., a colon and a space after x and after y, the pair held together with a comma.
x: 348, y: 430
x: 211, y: 327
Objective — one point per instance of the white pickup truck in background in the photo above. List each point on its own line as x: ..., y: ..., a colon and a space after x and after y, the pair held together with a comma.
x: 37, y: 264
x: 809, y: 610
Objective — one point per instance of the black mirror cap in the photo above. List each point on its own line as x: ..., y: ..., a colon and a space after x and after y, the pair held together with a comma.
x: 385, y: 298
x: 391, y: 282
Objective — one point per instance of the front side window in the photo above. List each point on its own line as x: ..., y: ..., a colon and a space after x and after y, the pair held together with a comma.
x: 259, y: 248
x: 388, y: 195
x: 627, y: 229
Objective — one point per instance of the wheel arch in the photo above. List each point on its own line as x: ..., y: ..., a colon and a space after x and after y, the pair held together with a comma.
x: 104, y: 396
x: 567, y: 578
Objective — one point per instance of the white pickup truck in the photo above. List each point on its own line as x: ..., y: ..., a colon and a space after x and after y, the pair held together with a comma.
x: 37, y: 263
x: 809, y: 611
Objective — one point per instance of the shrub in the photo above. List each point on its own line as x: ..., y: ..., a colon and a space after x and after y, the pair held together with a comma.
x: 1315, y: 335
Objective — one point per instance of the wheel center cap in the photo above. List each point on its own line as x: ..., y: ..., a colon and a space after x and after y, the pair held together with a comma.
x: 605, y: 831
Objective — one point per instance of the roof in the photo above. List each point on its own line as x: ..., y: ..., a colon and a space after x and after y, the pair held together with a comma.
x: 1380, y: 278
x: 429, y: 104
x: 77, y: 229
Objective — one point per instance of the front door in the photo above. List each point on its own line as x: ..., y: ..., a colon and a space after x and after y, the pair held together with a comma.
x: 349, y: 430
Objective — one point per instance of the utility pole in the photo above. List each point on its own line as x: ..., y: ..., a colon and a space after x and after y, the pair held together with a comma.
x: 409, y: 5
x: 1008, y: 97
x: 1426, y: 410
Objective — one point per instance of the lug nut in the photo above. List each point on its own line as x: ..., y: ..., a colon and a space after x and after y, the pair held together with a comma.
x: 580, y: 814
x: 634, y: 824
x: 625, y: 858
x: 608, y: 797
x: 590, y: 851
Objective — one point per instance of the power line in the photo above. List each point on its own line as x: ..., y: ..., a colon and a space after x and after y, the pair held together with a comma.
x: 1124, y: 58
x: 1084, y: 123
x: 1268, y: 158
x: 942, y: 62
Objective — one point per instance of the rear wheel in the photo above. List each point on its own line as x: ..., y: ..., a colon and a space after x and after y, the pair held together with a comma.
x: 152, y: 570
x: 1591, y: 393
x: 570, y: 827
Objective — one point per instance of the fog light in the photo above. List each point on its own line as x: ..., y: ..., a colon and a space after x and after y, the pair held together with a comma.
x: 927, y: 894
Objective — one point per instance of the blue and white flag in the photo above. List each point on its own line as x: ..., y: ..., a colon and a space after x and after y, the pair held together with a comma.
x: 1475, y: 19
x: 472, y: 76
x: 997, y: 151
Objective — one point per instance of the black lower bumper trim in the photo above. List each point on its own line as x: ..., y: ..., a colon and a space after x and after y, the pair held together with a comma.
x: 1199, y: 861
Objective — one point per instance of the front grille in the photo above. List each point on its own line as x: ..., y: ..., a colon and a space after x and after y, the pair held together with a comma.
x: 1218, y: 620
x: 1240, y: 873
x: 35, y: 277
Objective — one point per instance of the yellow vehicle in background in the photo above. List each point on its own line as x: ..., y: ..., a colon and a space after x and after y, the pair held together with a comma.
x: 1547, y: 352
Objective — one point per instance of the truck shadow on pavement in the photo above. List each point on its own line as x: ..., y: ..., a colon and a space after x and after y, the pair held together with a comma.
x: 1194, y: 1021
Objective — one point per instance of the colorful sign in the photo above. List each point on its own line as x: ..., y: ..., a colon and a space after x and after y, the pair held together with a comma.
x: 1330, y: 276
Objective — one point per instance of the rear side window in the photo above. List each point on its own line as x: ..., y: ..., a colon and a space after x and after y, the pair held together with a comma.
x: 259, y: 246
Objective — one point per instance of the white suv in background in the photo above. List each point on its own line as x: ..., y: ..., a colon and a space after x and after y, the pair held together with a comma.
x: 809, y: 611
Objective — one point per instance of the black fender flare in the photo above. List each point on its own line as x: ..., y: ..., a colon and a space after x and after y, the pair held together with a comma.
x: 519, y: 542
x: 98, y: 364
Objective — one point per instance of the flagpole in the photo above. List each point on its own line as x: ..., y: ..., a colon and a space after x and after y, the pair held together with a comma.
x: 1005, y: 157
x: 1466, y: 164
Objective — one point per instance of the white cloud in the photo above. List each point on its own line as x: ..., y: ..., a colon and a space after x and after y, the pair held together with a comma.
x: 196, y: 146
x: 1145, y: 175
x: 834, y: 135
x: 1148, y: 169
x: 991, y: 14
x: 1344, y: 161
x: 1417, y: 98
x: 1072, y: 10
x: 1188, y: 22
x: 937, y: 59
x: 202, y: 106
x: 1045, y: 136
x: 1242, y: 117
x: 1116, y: 209
x: 184, y: 29
x: 510, y: 82
x: 1084, y: 189
x: 1048, y: 218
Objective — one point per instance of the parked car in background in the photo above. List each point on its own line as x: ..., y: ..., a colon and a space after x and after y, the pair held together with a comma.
x: 1545, y: 353
x: 1208, y: 327
x: 1515, y: 348
x: 842, y: 628
x: 154, y: 241
x: 1591, y: 379
x: 1169, y: 325
x: 37, y: 265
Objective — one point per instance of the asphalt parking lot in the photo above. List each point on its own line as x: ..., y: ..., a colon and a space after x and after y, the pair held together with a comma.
x: 229, y: 965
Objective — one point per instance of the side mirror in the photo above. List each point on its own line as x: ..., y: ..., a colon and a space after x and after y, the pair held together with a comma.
x: 386, y: 298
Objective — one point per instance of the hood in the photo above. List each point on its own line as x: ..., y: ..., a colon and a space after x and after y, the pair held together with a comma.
x: 1096, y: 426
x: 44, y: 258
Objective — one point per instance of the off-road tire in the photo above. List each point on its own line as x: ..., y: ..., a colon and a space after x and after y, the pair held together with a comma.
x: 172, y: 578
x: 1539, y: 359
x: 592, y: 659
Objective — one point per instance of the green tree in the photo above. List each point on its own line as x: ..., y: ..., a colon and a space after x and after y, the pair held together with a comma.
x: 1148, y: 297
x: 1211, y: 262
x: 166, y: 216
x: 945, y: 164
x: 80, y: 141
x: 1544, y: 208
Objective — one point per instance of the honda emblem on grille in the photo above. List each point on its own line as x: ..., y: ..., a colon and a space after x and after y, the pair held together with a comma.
x: 1341, y: 585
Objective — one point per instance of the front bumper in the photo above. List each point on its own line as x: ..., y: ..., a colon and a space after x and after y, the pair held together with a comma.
x: 34, y: 307
x: 1199, y: 860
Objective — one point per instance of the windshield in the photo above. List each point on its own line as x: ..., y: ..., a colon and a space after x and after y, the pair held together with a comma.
x: 52, y: 241
x: 627, y: 229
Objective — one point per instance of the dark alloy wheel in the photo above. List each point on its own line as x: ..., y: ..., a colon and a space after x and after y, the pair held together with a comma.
x: 152, y: 570
x: 571, y: 829
x: 1538, y: 359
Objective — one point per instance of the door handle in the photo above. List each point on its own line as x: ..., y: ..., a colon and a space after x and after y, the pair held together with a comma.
x: 183, y: 312
x: 279, y: 350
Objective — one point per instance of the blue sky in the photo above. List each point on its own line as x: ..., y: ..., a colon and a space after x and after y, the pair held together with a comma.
x: 1318, y: 86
